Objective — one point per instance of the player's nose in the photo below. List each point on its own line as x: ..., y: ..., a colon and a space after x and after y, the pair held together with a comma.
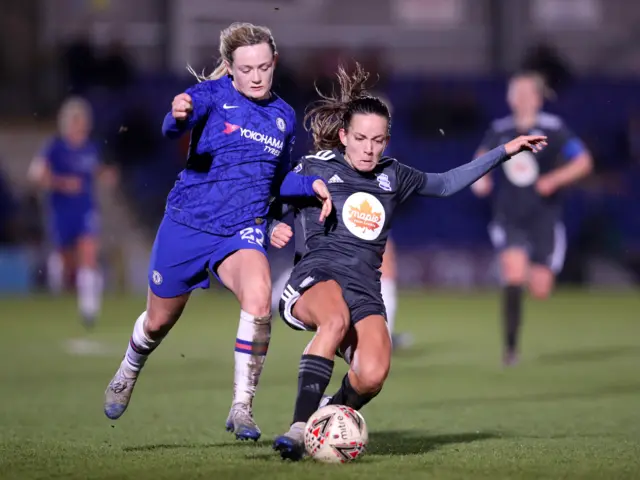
x: 368, y: 148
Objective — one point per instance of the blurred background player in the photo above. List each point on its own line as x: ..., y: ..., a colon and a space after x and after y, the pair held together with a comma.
x: 527, y: 226
x: 389, y: 269
x: 65, y: 171
x: 241, y: 139
x: 388, y: 285
x: 334, y: 290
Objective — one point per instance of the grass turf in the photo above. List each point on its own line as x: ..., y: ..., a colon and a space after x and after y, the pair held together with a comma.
x: 448, y: 410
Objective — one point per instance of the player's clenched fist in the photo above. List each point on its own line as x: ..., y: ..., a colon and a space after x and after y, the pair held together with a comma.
x: 181, y: 106
x: 281, y: 234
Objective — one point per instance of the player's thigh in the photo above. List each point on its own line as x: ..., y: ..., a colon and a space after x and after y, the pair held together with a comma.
x: 163, y: 313
x: 388, y: 268
x: 87, y: 248
x: 64, y: 241
x: 547, y: 255
x: 68, y: 258
x: 372, y: 351
x: 541, y: 281
x: 511, y: 242
x: 247, y: 274
x: 69, y: 262
x: 322, y: 307
x: 514, y: 265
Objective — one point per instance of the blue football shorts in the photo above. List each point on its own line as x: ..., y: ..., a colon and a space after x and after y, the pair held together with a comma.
x: 182, y: 256
x: 66, y: 228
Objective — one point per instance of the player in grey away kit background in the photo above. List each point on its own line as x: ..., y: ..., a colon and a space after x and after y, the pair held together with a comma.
x: 334, y: 289
x: 527, y: 226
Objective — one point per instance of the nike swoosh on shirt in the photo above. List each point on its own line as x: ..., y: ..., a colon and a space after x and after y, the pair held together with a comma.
x: 227, y: 107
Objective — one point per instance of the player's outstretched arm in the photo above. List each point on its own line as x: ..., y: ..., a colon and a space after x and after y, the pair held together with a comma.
x: 447, y: 183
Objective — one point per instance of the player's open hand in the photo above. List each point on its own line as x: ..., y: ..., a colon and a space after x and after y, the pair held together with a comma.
x: 182, y: 106
x: 281, y: 234
x: 531, y: 143
x: 322, y: 192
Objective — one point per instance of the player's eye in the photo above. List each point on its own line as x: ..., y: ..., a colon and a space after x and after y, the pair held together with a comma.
x: 245, y: 70
x: 265, y: 68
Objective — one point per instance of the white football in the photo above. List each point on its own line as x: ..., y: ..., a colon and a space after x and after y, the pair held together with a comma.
x: 336, y: 434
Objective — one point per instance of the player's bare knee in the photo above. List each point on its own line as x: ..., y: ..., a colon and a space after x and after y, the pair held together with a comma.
x: 334, y: 325
x: 540, y: 291
x: 514, y: 265
x: 256, y: 308
x: 371, y: 376
x: 257, y: 304
x: 514, y: 274
x: 87, y: 253
x: 162, y: 314
x: 88, y: 262
x: 157, y: 324
x: 254, y: 294
x: 541, y: 282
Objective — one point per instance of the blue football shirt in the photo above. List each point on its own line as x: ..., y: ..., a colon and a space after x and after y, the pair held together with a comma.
x: 66, y: 160
x: 239, y: 153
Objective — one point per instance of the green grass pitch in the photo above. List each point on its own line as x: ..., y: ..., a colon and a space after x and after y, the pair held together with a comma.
x: 448, y: 410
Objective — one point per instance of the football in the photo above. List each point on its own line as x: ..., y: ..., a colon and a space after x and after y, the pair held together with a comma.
x: 335, y: 434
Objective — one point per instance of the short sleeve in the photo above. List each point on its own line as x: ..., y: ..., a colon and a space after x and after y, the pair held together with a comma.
x: 570, y: 144
x: 409, y: 181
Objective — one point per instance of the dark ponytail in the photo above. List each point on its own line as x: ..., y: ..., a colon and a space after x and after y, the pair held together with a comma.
x: 327, y: 116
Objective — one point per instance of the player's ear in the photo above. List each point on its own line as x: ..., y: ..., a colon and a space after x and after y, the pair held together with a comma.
x: 227, y: 65
x: 275, y: 60
x: 342, y: 133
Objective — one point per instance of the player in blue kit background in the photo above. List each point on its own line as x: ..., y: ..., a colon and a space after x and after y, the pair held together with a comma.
x: 527, y: 228
x: 66, y: 170
x: 238, y: 160
x: 334, y: 289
